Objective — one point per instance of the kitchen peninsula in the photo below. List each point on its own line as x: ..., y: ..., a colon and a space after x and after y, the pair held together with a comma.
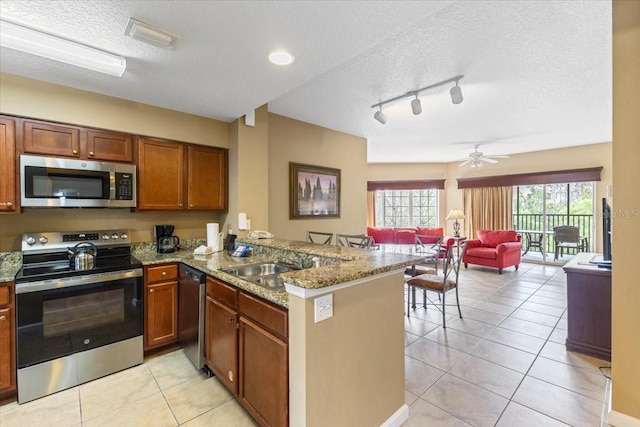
x: 367, y: 324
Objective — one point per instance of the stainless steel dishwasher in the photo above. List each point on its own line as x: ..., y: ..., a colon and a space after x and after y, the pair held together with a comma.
x: 191, y: 322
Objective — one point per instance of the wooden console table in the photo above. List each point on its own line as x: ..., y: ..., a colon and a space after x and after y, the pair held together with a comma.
x: 588, y: 307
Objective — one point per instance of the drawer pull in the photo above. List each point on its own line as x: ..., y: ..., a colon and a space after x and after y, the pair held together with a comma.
x: 150, y: 291
x: 164, y: 273
x: 3, y: 318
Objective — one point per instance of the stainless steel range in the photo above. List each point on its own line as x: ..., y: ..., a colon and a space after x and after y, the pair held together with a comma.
x: 78, y: 308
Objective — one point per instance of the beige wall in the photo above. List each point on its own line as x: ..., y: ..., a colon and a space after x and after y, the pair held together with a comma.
x: 36, y: 99
x: 31, y: 98
x: 334, y: 380
x: 294, y: 141
x: 626, y: 205
x: 249, y: 175
x: 451, y: 198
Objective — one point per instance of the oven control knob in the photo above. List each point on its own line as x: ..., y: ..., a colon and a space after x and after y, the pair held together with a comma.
x: 124, y: 236
x: 115, y: 236
x: 43, y: 240
x: 105, y: 237
x: 30, y: 240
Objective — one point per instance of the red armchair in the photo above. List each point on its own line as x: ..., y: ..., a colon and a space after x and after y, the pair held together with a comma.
x: 494, y: 248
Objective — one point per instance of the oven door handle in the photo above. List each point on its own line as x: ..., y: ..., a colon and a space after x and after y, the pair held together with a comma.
x: 66, y: 282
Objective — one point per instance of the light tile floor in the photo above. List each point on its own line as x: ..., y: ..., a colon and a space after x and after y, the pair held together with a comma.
x: 503, y: 364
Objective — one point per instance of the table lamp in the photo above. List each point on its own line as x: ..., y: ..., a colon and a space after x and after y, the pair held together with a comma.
x: 456, y: 214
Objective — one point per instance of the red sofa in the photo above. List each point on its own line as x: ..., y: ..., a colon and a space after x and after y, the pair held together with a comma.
x: 401, y: 235
x: 494, y: 248
x: 407, y: 235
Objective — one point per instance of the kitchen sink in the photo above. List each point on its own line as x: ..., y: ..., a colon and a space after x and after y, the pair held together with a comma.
x: 265, y: 274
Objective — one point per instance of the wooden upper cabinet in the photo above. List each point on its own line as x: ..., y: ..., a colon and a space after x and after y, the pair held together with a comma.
x: 206, y: 178
x: 51, y: 139
x: 160, y: 175
x: 8, y: 188
x: 109, y: 146
x: 178, y: 176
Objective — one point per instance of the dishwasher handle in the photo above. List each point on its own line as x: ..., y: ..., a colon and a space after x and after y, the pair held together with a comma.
x: 194, y: 275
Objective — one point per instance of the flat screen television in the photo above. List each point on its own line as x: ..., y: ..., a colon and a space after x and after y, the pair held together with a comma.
x: 606, y: 230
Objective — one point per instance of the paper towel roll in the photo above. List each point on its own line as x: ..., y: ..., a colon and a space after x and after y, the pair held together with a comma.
x: 213, y: 229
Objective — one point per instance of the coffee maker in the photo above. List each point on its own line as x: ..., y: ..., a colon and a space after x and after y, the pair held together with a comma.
x: 166, y: 241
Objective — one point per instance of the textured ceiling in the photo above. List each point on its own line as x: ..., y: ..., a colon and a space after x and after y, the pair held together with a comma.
x: 537, y: 73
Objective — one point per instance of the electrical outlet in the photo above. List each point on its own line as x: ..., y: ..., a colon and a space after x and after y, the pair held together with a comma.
x: 323, y: 307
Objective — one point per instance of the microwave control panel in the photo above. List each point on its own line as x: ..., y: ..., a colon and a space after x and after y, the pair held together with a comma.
x: 124, y: 186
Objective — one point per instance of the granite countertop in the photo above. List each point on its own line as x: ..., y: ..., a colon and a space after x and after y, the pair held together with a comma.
x: 338, y: 264
x: 10, y: 264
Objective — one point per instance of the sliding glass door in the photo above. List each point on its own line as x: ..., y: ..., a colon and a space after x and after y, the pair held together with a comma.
x: 537, y: 209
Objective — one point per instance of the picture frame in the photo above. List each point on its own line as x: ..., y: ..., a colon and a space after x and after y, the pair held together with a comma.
x: 314, y: 192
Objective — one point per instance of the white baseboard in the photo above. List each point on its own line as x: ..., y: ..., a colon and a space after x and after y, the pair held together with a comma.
x: 618, y: 419
x: 399, y: 417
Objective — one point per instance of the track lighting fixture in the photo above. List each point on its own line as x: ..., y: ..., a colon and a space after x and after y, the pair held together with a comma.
x: 380, y: 116
x: 456, y: 94
x: 416, y: 106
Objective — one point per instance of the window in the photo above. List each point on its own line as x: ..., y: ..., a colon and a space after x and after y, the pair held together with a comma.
x: 407, y: 208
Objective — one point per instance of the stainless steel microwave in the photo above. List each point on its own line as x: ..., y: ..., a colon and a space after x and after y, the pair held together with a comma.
x: 69, y: 183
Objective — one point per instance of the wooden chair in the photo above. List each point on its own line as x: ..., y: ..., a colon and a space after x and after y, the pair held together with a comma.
x: 354, y: 240
x: 441, y: 284
x: 568, y: 237
x: 319, y: 237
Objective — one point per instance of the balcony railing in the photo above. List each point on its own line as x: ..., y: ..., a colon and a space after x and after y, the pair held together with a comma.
x: 535, y: 222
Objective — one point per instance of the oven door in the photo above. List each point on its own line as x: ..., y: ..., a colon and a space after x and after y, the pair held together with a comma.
x: 76, y: 316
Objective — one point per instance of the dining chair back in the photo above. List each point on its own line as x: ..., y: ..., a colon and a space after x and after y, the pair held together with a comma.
x: 319, y: 237
x: 441, y: 284
x: 354, y: 240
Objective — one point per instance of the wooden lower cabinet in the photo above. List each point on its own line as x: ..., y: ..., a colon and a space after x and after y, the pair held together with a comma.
x: 7, y: 340
x: 160, y: 305
x: 264, y: 374
x: 222, y: 343
x: 247, y: 349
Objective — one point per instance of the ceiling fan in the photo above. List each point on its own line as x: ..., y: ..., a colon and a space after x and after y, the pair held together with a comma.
x: 477, y: 157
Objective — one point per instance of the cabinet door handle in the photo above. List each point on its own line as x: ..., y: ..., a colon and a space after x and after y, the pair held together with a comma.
x: 8, y: 204
x: 150, y: 291
x: 74, y: 151
x: 91, y: 153
x: 3, y: 318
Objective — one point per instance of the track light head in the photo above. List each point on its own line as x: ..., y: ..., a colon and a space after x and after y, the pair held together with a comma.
x: 380, y: 116
x: 456, y: 94
x: 416, y: 106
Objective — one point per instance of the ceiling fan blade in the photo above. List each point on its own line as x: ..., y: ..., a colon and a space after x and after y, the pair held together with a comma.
x: 464, y: 163
x: 498, y: 156
x: 488, y: 160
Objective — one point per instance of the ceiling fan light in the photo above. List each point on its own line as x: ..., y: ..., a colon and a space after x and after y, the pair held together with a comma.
x: 456, y: 94
x: 380, y: 116
x: 416, y: 106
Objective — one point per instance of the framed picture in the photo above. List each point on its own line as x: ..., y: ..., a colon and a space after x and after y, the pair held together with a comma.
x: 314, y: 192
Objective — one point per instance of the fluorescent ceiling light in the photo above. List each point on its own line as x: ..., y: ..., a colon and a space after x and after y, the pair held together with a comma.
x: 280, y: 57
x: 149, y: 34
x: 34, y: 42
